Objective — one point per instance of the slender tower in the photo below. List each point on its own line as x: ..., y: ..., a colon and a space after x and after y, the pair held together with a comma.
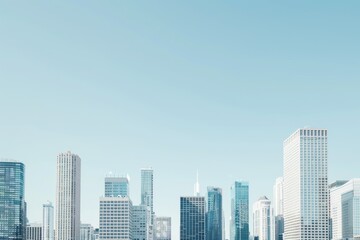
x: 48, y: 221
x: 67, y: 223
x: 147, y: 190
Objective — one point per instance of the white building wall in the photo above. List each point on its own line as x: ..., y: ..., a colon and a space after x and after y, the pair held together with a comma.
x: 306, y: 196
x: 262, y: 219
x: 67, y: 221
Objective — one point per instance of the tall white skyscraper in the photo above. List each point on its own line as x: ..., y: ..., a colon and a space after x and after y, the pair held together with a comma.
x: 147, y: 191
x: 67, y: 221
x: 345, y: 209
x: 48, y: 221
x: 278, y: 209
x: 278, y: 201
x: 306, y: 195
x: 262, y: 219
x: 115, y: 218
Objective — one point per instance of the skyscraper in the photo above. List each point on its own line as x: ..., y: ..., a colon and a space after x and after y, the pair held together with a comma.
x: 12, y: 200
x: 345, y: 209
x: 262, y: 219
x: 115, y: 218
x: 67, y: 222
x: 147, y: 189
x: 192, y: 218
x: 162, y: 228
x: 306, y: 196
x: 48, y: 221
x: 278, y: 206
x: 141, y: 223
x: 214, y: 214
x: 116, y: 186
x: 34, y: 231
x: 239, y: 224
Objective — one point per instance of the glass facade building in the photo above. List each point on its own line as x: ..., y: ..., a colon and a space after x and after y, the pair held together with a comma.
x: 306, y: 195
x: 214, y: 214
x: 239, y: 224
x: 147, y: 191
x: 12, y: 201
x: 116, y: 186
x: 192, y: 218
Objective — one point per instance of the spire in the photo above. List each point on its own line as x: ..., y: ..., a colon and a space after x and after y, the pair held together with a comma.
x: 197, y: 185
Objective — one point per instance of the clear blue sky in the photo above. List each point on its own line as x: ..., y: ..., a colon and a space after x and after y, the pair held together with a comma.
x: 179, y: 86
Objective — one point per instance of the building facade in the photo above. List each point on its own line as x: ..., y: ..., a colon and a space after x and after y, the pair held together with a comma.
x: 67, y: 220
x: 306, y: 195
x: 147, y: 189
x: 34, y: 231
x: 345, y: 209
x: 162, y: 228
x: 192, y: 218
x: 214, y: 214
x: 116, y: 186
x: 278, y: 209
x: 141, y: 220
x: 48, y: 221
x: 239, y: 223
x: 12, y: 200
x: 115, y: 218
x: 262, y: 219
x: 86, y: 232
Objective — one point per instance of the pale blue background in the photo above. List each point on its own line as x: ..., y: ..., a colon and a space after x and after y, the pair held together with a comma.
x: 179, y: 86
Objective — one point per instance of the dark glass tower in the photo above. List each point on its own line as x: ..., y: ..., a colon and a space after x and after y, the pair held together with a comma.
x: 214, y: 214
x: 12, y: 201
x: 192, y: 218
x: 239, y: 211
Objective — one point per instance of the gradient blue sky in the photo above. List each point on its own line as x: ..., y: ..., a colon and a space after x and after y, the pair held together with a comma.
x: 179, y: 86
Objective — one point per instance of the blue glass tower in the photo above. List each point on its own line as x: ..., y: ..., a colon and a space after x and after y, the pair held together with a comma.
x: 192, y: 218
x: 12, y: 201
x: 117, y: 186
x: 239, y: 211
x: 214, y: 214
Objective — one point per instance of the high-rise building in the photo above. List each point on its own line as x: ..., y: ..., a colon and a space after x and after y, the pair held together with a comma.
x: 192, y: 218
x: 278, y: 209
x: 67, y: 220
x: 115, y: 218
x: 262, y: 219
x: 147, y: 189
x: 12, y: 200
x: 86, y: 232
x: 116, y: 186
x: 345, y: 209
x: 306, y: 195
x: 239, y: 223
x: 48, y: 221
x: 214, y: 214
x: 141, y: 220
x: 162, y: 228
x: 34, y: 231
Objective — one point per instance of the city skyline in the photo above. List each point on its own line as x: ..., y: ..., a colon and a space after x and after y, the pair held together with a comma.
x: 179, y: 87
